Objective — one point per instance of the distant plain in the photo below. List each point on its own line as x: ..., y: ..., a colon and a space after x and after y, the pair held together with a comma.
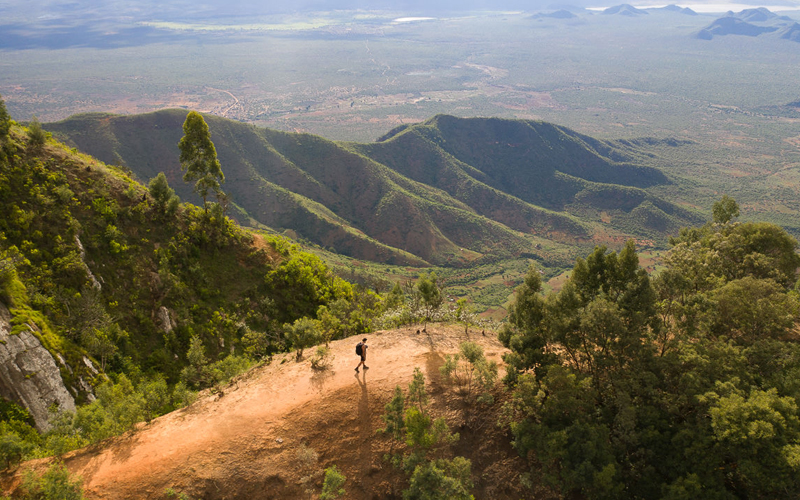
x: 355, y: 75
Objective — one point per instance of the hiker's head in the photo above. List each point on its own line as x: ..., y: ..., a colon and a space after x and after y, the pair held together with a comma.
x: 364, y: 339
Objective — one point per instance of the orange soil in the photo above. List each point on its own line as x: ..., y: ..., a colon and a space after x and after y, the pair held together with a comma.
x: 243, y: 441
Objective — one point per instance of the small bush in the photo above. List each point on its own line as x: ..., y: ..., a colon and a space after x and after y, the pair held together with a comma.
x: 171, y: 493
x: 322, y: 358
x: 307, y: 456
x: 471, y: 372
x: 12, y: 447
x: 332, y: 485
x: 54, y: 484
x: 36, y: 134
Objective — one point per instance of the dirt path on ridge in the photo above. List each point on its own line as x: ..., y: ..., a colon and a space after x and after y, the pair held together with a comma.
x: 247, y: 440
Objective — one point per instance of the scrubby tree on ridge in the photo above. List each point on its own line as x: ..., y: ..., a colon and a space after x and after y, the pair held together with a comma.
x: 5, y: 120
x: 199, y: 157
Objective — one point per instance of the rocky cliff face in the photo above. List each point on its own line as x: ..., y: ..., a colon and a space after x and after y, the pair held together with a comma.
x: 29, y: 374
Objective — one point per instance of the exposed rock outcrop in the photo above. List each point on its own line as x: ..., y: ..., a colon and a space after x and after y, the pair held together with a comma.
x: 29, y: 374
x: 165, y: 321
x: 95, y: 284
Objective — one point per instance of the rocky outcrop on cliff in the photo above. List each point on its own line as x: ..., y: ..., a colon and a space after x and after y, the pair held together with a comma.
x: 28, y: 373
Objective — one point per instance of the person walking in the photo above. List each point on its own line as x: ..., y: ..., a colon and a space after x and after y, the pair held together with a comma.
x: 361, y: 350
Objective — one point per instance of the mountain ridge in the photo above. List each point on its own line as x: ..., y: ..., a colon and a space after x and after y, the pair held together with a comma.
x: 445, y: 191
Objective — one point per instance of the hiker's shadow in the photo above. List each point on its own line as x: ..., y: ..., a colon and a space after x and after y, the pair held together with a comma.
x: 363, y: 401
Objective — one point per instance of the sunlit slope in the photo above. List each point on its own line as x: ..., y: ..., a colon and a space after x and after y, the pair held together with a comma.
x: 445, y: 191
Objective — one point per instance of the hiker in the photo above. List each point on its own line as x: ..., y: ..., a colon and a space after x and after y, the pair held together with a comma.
x: 361, y: 350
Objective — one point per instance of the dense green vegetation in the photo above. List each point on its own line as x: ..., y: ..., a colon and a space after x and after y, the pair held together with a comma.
x: 623, y: 384
x: 680, y: 386
x: 449, y: 191
x: 425, y: 440
x: 164, y: 298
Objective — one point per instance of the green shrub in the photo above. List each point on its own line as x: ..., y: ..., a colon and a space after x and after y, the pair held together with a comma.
x: 55, y: 484
x: 301, y: 334
x: 36, y: 134
x: 12, y: 447
x: 322, y: 358
x: 332, y: 485
x: 5, y: 120
x: 440, y: 480
x: 471, y: 372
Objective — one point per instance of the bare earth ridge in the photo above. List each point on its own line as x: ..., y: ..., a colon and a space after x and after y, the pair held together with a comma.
x: 257, y: 437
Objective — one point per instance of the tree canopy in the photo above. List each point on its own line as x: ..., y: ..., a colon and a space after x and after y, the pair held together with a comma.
x: 5, y: 120
x: 199, y: 157
x: 678, y: 387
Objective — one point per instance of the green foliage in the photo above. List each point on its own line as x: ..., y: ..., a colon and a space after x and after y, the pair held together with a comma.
x: 322, y: 358
x: 36, y: 135
x: 166, y: 201
x: 749, y: 309
x: 230, y: 366
x: 9, y: 279
x: 522, y: 331
x: 395, y: 298
x: 5, y: 121
x: 300, y: 284
x: 465, y: 314
x: 417, y: 394
x: 394, y: 418
x: 301, y: 334
x: 348, y: 316
x: 199, y: 157
x: 102, y: 343
x: 198, y: 373
x: 429, y: 292
x: 471, y: 372
x: 725, y: 210
x: 332, y: 486
x: 441, y: 480
x: 55, y: 484
x: 259, y: 344
x: 710, y: 256
x: 171, y: 493
x: 12, y: 447
x: 426, y: 439
x: 671, y: 390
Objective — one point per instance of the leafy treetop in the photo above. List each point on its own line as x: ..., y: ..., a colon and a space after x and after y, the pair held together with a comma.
x: 5, y: 120
x: 680, y: 387
x: 199, y: 157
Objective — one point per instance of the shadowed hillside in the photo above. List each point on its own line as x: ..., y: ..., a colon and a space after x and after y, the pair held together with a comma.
x: 446, y: 191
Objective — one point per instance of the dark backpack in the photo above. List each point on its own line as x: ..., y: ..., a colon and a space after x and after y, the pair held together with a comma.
x: 358, y: 349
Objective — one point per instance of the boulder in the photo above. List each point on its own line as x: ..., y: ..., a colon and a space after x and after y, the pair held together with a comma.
x: 29, y: 375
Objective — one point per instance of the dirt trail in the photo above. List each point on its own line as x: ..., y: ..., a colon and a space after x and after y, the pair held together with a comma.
x: 246, y: 441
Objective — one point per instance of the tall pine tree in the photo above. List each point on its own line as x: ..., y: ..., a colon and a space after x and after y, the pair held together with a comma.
x: 199, y: 157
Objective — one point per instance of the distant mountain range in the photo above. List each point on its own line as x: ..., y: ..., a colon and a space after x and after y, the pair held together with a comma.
x: 752, y: 22
x: 446, y: 191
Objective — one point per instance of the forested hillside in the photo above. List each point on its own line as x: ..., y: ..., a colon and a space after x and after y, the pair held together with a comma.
x: 682, y: 385
x: 620, y: 384
x: 138, y: 299
x: 447, y: 191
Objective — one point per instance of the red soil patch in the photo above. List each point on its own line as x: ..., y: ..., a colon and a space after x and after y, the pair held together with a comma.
x: 244, y: 442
